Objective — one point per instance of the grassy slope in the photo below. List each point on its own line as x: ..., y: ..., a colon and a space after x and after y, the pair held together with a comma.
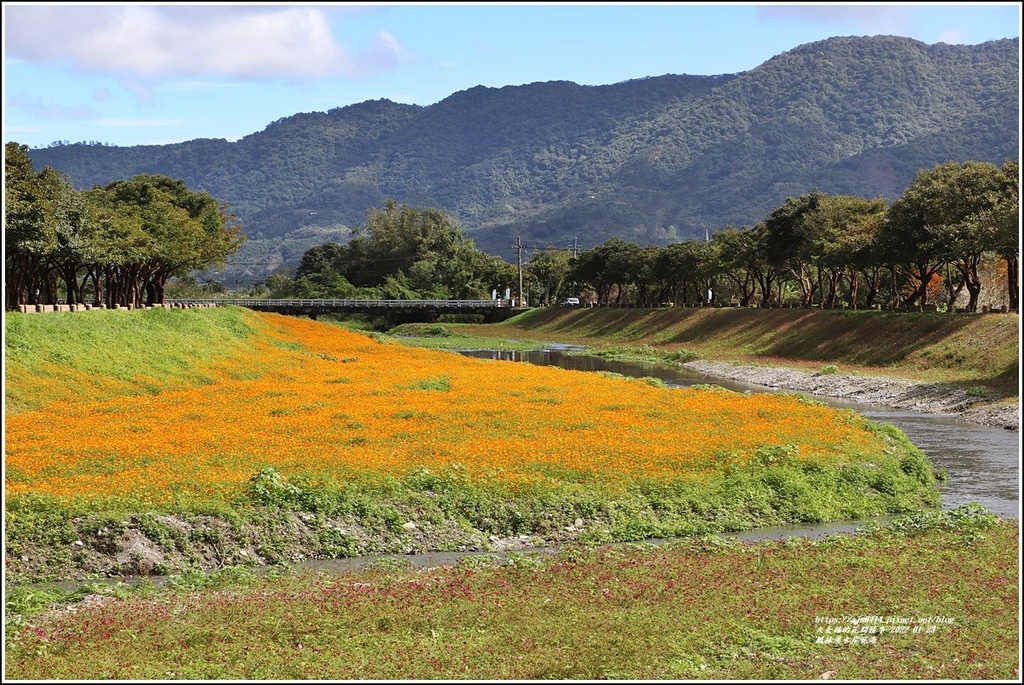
x: 697, y: 610
x: 100, y: 354
x: 973, y: 349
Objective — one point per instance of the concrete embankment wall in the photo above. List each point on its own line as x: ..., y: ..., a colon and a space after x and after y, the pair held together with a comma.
x: 983, y: 346
x: 46, y: 308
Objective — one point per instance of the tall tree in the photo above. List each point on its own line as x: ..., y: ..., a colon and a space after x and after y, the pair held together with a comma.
x: 548, y: 272
x: 642, y: 275
x: 402, y: 253
x: 672, y: 267
x: 1006, y: 219
x: 743, y: 253
x: 838, y: 234
x: 865, y: 265
x: 153, y: 227
x: 610, y: 265
x: 320, y: 273
x: 43, y: 226
x: 946, y: 216
x: 790, y: 235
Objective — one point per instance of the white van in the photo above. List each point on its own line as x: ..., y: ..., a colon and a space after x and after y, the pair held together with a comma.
x: 571, y: 302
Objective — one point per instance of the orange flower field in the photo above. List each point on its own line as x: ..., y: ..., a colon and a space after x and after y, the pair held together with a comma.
x: 340, y: 407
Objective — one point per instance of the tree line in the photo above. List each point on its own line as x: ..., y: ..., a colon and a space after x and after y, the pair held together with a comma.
x: 130, y: 241
x: 832, y: 250
x: 115, y: 245
x: 818, y: 250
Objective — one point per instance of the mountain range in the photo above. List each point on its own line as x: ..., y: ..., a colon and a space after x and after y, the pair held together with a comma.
x: 652, y: 161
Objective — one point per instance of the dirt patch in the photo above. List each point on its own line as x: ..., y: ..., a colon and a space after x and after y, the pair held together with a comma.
x: 165, y: 544
x: 930, y: 398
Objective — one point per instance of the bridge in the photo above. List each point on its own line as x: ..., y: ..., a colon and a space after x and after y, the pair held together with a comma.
x: 394, y: 312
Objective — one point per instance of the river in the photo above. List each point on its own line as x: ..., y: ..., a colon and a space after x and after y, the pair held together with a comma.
x: 983, y: 463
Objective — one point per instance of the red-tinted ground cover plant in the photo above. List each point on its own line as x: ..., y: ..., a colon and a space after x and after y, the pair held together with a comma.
x: 932, y: 597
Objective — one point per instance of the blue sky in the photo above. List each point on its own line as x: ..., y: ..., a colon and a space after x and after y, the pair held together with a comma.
x: 128, y: 74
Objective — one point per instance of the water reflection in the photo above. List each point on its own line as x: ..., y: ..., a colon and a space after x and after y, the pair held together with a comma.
x: 983, y: 463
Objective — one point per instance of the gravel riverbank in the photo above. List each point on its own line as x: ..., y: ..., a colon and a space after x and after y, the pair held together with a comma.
x: 930, y: 398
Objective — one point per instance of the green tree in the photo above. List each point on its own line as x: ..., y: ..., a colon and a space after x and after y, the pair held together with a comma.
x: 837, y: 236
x: 788, y: 242
x: 672, y: 268
x: 860, y: 246
x: 947, y: 215
x: 320, y: 273
x: 1005, y: 216
x: 548, y: 274
x: 401, y: 253
x: 743, y: 256
x: 689, y: 268
x: 42, y: 214
x: 610, y: 265
x: 152, y: 227
x: 279, y: 285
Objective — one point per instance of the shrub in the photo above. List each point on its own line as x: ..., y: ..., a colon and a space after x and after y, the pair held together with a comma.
x: 269, y: 488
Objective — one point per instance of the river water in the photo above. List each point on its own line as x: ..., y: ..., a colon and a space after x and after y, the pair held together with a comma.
x: 983, y: 463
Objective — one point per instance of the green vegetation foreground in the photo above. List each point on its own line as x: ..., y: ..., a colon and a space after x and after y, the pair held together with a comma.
x: 931, y: 596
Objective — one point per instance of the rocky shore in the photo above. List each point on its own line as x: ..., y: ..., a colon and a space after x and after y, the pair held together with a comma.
x: 930, y: 398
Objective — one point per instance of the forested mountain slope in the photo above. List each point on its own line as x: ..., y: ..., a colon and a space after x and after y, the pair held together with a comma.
x: 651, y: 161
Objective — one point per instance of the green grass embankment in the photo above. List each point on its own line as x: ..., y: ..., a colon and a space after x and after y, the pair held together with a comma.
x: 99, y: 354
x: 970, y: 349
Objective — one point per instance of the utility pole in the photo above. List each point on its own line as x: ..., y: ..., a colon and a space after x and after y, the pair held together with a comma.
x: 574, y: 248
x: 519, y: 259
x: 707, y: 239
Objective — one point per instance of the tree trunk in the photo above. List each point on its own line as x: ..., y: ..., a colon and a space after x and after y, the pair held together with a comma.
x: 854, y: 277
x: 833, y: 289
x: 1013, y: 280
x: 873, y: 279
x: 766, y: 289
x: 973, y: 284
x: 70, y: 274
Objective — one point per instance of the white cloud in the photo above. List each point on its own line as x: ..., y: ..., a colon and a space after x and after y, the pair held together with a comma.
x: 22, y: 129
x: 137, y: 123
x: 197, y: 86
x: 141, y: 89
x: 384, y: 54
x: 160, y: 42
x: 952, y: 37
x: 49, y: 110
x: 871, y: 18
